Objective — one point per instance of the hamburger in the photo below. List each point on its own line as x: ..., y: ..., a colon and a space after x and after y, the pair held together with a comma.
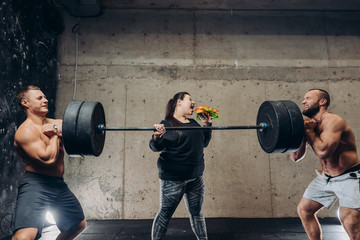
x: 206, y: 111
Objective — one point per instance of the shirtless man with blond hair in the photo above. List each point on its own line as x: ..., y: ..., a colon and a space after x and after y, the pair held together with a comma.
x: 333, y: 143
x: 38, y: 141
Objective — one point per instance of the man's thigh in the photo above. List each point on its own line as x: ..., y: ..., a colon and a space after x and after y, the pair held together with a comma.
x: 67, y: 210
x: 318, y: 191
x: 348, y: 192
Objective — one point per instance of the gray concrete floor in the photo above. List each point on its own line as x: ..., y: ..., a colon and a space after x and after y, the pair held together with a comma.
x: 218, y: 229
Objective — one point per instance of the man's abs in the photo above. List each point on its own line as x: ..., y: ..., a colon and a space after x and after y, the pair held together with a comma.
x: 51, y: 171
x: 340, y: 163
x: 56, y: 170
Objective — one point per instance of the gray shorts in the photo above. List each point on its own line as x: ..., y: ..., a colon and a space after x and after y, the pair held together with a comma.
x: 326, y: 190
x: 41, y: 193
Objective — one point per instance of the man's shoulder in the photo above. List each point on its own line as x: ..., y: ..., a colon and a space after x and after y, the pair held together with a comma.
x: 25, y: 130
x: 26, y: 125
x: 335, y: 117
x: 334, y: 120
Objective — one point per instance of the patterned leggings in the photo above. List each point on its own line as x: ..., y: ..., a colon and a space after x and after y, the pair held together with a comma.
x: 171, y: 195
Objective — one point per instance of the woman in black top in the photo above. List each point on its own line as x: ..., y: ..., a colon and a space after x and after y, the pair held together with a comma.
x: 181, y: 165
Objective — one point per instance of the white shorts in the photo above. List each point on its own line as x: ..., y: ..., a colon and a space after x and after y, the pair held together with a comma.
x: 326, y: 190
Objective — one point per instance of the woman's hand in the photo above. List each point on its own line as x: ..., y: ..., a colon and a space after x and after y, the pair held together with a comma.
x: 206, y: 119
x: 160, y: 130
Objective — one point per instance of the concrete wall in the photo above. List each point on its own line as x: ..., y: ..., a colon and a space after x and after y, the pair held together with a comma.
x: 133, y: 61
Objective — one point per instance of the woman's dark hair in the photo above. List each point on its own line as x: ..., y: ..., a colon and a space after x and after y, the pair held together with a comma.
x: 170, y: 108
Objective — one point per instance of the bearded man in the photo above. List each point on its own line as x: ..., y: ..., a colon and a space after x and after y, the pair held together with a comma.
x: 333, y: 143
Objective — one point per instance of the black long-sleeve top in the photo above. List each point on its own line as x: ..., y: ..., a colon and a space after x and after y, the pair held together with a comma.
x: 182, y: 152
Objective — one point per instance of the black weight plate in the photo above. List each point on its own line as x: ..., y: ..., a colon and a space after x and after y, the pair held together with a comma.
x: 69, y: 127
x: 297, y: 125
x: 274, y: 139
x: 91, y: 140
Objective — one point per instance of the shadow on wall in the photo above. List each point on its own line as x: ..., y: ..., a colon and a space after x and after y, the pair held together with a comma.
x: 28, y: 55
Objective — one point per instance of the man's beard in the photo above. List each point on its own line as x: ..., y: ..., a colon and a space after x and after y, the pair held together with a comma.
x: 310, y: 112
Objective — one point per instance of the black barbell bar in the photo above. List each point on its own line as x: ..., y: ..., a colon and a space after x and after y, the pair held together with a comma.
x: 279, y: 125
x: 261, y: 126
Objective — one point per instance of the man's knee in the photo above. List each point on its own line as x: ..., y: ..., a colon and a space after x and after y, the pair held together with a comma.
x: 308, y: 208
x: 77, y: 228
x: 83, y: 224
x: 302, y: 210
x: 22, y: 237
x: 25, y: 234
x: 80, y: 226
x: 305, y: 212
x: 351, y: 223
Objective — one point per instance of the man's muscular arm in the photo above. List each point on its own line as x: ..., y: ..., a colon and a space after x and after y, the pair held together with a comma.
x: 30, y: 142
x: 326, y: 143
x: 301, y: 152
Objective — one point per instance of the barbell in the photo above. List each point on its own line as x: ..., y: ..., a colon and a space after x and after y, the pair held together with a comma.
x: 279, y: 125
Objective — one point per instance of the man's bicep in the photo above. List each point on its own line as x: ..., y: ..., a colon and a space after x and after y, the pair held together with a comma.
x: 331, y: 136
x: 33, y: 147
